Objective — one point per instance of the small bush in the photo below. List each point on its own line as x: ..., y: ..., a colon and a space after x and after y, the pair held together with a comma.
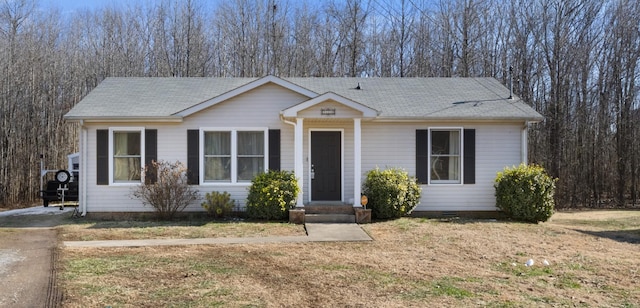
x: 525, y: 193
x: 391, y: 193
x: 272, y: 194
x: 165, y: 188
x: 218, y: 204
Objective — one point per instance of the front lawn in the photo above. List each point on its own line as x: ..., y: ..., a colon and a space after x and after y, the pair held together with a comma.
x: 411, y: 262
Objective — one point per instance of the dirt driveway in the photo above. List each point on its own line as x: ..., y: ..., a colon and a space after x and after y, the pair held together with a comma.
x: 28, y: 244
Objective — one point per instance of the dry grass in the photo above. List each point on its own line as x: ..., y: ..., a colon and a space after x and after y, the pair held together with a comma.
x: 412, y: 262
x: 136, y: 230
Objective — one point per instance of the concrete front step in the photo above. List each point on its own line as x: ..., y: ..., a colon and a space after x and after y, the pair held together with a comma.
x: 329, y: 209
x: 329, y: 218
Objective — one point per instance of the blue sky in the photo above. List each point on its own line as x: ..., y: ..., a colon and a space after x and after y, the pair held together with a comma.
x: 74, y: 5
x: 69, y: 6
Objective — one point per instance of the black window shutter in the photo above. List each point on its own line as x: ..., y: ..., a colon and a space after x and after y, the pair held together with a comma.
x: 469, y: 156
x: 102, y: 157
x: 150, y: 154
x: 274, y: 149
x: 422, y: 156
x: 193, y: 157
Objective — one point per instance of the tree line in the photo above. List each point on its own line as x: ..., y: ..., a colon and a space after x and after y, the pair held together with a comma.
x: 575, y: 61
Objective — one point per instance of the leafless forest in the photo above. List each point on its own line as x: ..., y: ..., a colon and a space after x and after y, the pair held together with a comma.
x: 575, y: 61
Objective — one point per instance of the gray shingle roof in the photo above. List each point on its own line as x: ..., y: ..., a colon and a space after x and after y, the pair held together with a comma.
x: 419, y: 98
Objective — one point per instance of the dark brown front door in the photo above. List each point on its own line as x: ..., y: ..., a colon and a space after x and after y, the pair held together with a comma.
x: 326, y: 166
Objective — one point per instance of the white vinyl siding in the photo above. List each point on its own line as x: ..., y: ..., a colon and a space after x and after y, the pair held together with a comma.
x: 257, y: 108
x: 387, y: 145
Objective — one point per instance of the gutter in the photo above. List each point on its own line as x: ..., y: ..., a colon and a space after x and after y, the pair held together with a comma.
x: 287, y: 121
x: 449, y: 119
x: 76, y: 119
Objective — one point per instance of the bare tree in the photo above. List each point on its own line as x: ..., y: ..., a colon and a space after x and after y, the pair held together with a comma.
x: 350, y: 17
x: 576, y: 62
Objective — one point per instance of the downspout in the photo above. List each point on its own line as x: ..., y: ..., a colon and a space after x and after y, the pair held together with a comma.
x: 525, y: 141
x: 83, y: 168
x: 288, y: 122
x: 298, y: 164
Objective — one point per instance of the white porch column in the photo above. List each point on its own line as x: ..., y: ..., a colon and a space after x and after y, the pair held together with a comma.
x: 357, y: 162
x: 299, y: 159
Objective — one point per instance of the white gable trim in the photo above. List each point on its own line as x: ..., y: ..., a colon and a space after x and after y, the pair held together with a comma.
x: 366, y: 111
x: 245, y: 88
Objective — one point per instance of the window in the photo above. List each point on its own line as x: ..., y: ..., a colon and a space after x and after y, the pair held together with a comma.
x: 233, y: 156
x: 445, y: 156
x: 127, y: 155
x: 250, y: 155
x: 217, y: 156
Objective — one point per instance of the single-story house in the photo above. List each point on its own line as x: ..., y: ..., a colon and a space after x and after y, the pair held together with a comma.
x: 452, y: 134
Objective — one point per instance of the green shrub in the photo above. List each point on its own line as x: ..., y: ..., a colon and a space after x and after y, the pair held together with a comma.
x: 525, y: 193
x: 218, y: 204
x: 391, y: 193
x: 272, y: 194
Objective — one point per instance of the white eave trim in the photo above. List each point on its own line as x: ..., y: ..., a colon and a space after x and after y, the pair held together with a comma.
x: 171, y: 119
x: 466, y: 120
x: 292, y: 112
x: 245, y: 88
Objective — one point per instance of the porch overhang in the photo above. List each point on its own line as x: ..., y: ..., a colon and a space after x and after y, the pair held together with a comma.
x: 329, y: 107
x: 294, y: 111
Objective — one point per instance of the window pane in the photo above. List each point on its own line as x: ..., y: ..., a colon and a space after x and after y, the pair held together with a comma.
x: 217, y: 169
x: 126, y: 169
x: 217, y: 161
x: 217, y: 143
x: 250, y: 155
x: 250, y: 143
x: 249, y: 167
x: 445, y: 142
x: 445, y: 168
x: 126, y: 143
x: 445, y: 156
x: 127, y: 158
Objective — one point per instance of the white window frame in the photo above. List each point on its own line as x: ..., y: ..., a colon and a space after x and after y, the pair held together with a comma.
x: 113, y: 130
x: 460, y: 181
x: 234, y: 153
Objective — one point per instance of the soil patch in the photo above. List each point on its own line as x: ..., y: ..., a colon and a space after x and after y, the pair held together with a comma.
x: 27, y: 275
x: 28, y: 253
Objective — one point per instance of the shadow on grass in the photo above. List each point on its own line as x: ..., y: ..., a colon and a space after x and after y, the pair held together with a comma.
x: 109, y: 224
x: 624, y: 236
x: 451, y: 220
x: 53, y: 217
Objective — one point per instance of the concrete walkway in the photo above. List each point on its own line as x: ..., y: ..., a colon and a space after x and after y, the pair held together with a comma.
x: 316, y: 232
